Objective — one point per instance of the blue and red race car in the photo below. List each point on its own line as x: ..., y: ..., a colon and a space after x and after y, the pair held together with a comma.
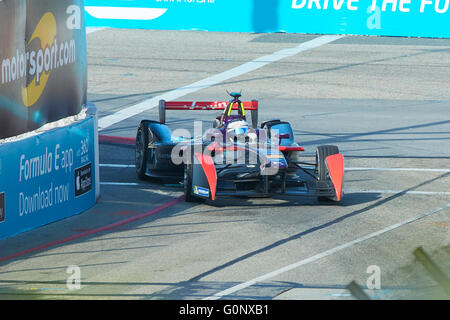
x: 235, y: 159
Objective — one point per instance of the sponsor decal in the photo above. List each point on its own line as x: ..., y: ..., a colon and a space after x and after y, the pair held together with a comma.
x: 45, y: 32
x: 38, y: 64
x: 415, y: 18
x: 275, y: 156
x: 204, y: 192
x: 125, y: 13
x: 49, y: 178
x: 83, y: 179
x: 137, y: 10
x: 405, y: 6
x: 2, y: 207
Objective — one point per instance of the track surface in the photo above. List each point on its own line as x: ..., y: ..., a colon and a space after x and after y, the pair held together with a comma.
x: 384, y: 101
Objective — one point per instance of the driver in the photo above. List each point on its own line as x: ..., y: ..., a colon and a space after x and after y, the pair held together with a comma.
x: 237, y: 129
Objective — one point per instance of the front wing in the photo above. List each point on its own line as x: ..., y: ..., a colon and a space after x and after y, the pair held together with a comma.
x: 211, y: 182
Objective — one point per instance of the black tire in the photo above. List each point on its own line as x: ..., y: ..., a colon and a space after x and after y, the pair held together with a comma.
x: 321, y: 168
x: 187, y: 182
x: 145, y: 152
x: 141, y: 150
x: 321, y: 153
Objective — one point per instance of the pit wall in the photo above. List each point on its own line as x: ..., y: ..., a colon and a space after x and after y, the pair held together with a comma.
x: 412, y: 18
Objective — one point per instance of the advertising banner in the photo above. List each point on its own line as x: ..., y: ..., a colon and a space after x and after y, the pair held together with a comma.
x: 13, y: 113
x: 415, y: 18
x: 47, y: 177
x: 43, y: 63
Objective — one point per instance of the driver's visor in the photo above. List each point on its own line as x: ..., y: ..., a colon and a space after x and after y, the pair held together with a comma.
x: 239, y: 131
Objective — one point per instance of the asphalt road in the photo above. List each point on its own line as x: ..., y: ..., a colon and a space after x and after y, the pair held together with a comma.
x: 384, y: 101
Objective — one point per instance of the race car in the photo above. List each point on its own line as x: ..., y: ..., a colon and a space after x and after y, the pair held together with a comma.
x: 233, y: 158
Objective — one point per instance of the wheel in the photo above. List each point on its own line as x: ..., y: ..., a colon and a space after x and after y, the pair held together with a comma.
x: 145, y: 152
x: 188, y: 196
x: 322, y: 152
x: 141, y: 150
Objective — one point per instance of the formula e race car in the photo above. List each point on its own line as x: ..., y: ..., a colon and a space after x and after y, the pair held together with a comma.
x: 234, y: 159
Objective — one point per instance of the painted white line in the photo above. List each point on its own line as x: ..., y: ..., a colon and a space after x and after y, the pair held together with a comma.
x: 90, y: 30
x: 119, y: 184
x: 319, y: 256
x: 427, y: 193
x: 107, y: 165
x: 398, y: 169
x: 131, y: 111
x: 346, y: 169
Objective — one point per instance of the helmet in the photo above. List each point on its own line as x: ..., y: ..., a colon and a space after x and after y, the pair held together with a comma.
x: 238, y: 130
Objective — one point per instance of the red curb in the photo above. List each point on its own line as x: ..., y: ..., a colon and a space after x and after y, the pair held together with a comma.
x: 116, y: 140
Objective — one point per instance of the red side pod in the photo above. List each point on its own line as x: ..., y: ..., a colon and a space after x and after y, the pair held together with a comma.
x: 335, y: 165
x: 210, y: 171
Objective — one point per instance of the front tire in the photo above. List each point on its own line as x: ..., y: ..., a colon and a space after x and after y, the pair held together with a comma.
x: 188, y: 195
x: 141, y: 150
x: 322, y: 152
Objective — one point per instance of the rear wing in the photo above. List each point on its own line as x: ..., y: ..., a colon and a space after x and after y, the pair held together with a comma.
x: 206, y: 105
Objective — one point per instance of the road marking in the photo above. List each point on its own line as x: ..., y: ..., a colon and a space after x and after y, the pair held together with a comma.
x: 108, y: 165
x: 348, y: 191
x: 253, y: 65
x: 128, y: 184
x: 441, y: 170
x: 427, y: 193
x: 397, y: 169
x: 319, y: 256
x: 90, y: 30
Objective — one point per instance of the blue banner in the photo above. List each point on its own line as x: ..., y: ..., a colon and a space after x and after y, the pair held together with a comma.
x: 415, y: 18
x: 47, y: 177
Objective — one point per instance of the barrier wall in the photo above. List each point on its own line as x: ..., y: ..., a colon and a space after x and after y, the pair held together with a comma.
x: 415, y: 18
x: 47, y: 177
x: 50, y: 173
x: 43, y: 63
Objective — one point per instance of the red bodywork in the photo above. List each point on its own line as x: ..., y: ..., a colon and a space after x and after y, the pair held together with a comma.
x: 210, y: 171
